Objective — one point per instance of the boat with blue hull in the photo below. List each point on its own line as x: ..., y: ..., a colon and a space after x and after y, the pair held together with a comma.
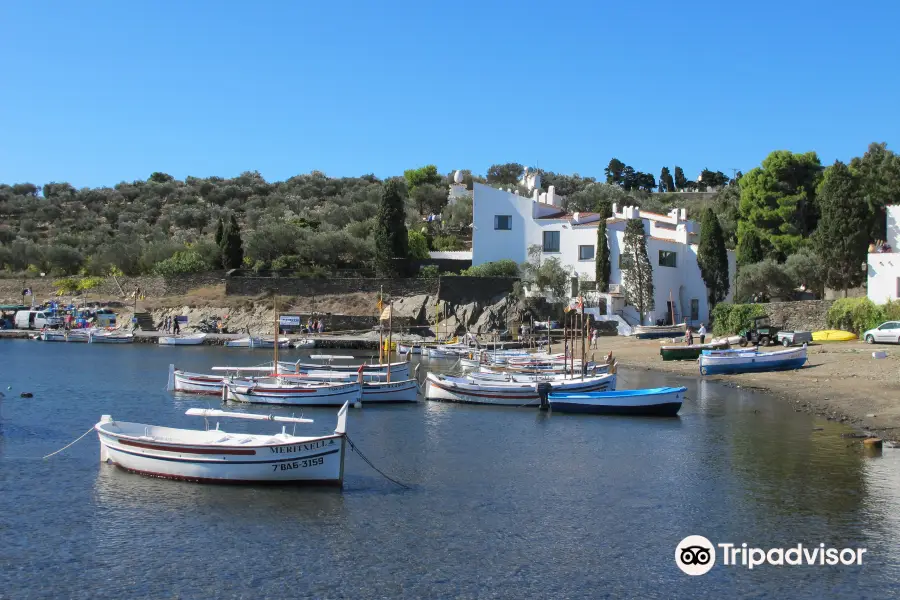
x: 720, y: 362
x: 652, y: 402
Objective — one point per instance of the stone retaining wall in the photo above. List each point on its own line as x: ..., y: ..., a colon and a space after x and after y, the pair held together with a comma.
x: 303, y: 287
x: 150, y: 286
x: 803, y: 315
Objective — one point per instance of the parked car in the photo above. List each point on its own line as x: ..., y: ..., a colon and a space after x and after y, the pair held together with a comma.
x: 886, y: 332
x: 37, y: 319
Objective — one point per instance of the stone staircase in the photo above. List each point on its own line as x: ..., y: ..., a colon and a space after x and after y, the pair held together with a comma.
x: 145, y: 321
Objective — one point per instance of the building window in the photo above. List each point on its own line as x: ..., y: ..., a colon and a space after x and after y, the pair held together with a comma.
x: 624, y: 261
x: 503, y: 222
x: 666, y: 258
x: 695, y: 309
x: 585, y: 253
x: 551, y: 241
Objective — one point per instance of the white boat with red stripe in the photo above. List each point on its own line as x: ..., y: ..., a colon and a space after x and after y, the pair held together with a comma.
x: 272, y: 390
x: 216, y: 456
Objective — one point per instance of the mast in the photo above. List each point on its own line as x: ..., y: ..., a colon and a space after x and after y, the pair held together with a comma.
x: 565, y: 339
x: 277, y: 327
x: 390, y: 336
x: 583, y: 332
x: 380, y: 328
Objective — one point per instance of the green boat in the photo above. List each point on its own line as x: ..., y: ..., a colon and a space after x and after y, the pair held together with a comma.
x: 689, y: 352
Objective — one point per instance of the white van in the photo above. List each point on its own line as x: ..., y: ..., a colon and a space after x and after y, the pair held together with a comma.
x: 36, y: 319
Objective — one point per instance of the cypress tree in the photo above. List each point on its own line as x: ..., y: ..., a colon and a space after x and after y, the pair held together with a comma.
x: 712, y: 258
x: 637, y: 272
x: 391, y: 238
x: 680, y: 180
x: 220, y: 232
x: 842, y: 235
x: 232, y: 246
x: 601, y: 258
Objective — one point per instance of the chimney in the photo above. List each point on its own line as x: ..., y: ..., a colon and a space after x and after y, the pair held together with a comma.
x: 551, y: 195
x: 684, y: 214
x: 615, y: 208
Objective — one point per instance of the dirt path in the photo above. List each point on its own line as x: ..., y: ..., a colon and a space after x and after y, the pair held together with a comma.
x: 841, y: 380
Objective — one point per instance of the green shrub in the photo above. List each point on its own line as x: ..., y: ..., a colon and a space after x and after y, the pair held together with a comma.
x: 859, y: 314
x: 429, y: 272
x: 500, y: 268
x: 187, y: 261
x: 730, y: 319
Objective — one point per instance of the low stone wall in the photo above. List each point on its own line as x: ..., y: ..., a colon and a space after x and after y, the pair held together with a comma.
x: 150, y: 286
x: 302, y: 287
x: 804, y: 315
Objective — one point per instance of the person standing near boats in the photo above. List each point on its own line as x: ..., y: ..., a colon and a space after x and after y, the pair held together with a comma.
x: 702, y: 332
x: 689, y: 336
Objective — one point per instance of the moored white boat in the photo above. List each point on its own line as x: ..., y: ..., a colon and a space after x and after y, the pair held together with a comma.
x: 303, y: 343
x: 663, y: 402
x: 716, y: 362
x: 399, y: 370
x: 52, y: 335
x: 408, y: 349
x: 462, y: 389
x: 79, y: 335
x: 488, y: 375
x: 189, y: 339
x: 375, y: 388
x: 111, y: 337
x: 215, y: 456
x: 274, y: 391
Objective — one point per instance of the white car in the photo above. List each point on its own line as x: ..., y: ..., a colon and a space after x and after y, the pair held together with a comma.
x: 886, y: 332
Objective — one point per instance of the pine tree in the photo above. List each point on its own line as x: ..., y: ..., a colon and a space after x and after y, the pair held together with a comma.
x: 601, y: 258
x: 712, y: 258
x: 680, y: 179
x: 665, y: 181
x: 615, y: 172
x: 220, y: 232
x: 637, y: 275
x: 842, y: 235
x: 391, y: 238
x: 232, y: 245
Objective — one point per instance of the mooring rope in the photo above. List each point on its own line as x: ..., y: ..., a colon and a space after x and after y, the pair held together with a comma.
x: 71, y: 443
x: 369, y: 462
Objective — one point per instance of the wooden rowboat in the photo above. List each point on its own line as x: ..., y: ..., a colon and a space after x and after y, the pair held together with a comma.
x: 714, y: 362
x: 215, y: 456
x: 682, y: 352
x: 660, y: 402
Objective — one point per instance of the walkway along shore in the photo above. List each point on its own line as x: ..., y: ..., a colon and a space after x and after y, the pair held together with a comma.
x: 841, y: 380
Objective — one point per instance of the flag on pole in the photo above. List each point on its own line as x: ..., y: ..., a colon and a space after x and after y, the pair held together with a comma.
x: 380, y: 305
x: 386, y: 314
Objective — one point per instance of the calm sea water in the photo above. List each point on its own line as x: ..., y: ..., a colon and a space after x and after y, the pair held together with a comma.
x: 504, y: 502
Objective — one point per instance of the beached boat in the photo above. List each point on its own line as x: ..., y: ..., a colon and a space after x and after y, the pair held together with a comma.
x: 462, y: 389
x: 646, y: 332
x: 833, y: 335
x: 111, y: 337
x: 713, y: 362
x: 683, y: 352
x: 275, y: 391
x: 188, y: 339
x: 661, y: 402
x: 215, y: 456
x: 52, y: 336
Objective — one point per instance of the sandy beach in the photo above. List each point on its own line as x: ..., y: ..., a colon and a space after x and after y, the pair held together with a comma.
x: 841, y: 380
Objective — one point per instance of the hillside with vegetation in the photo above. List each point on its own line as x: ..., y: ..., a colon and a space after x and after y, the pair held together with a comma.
x: 787, y: 219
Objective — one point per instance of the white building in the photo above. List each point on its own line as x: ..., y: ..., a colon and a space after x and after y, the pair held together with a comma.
x: 506, y: 224
x: 883, y: 281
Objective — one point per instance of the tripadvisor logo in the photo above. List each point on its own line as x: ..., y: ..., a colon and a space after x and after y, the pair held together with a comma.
x: 696, y: 555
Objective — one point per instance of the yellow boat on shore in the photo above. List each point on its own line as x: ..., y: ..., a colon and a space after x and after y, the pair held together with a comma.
x: 833, y: 335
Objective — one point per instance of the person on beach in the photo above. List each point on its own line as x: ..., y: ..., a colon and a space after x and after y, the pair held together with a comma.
x: 176, y: 328
x: 594, y: 339
x: 689, y: 336
x: 702, y: 332
x: 321, y: 326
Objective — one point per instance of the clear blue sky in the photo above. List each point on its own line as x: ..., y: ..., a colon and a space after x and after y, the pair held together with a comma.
x: 99, y: 92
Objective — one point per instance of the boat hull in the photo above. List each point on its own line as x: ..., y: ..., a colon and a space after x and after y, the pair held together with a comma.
x: 112, y: 339
x: 325, y: 395
x: 318, y: 461
x: 394, y: 391
x: 648, y: 332
x: 724, y: 362
x: 688, y: 352
x: 192, y: 340
x: 658, y: 402
x: 197, y: 383
x: 438, y: 387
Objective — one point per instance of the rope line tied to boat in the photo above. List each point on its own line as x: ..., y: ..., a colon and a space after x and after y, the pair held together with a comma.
x: 71, y: 443
x: 369, y: 462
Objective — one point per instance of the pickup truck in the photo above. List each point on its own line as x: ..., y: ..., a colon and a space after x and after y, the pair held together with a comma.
x: 789, y: 338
